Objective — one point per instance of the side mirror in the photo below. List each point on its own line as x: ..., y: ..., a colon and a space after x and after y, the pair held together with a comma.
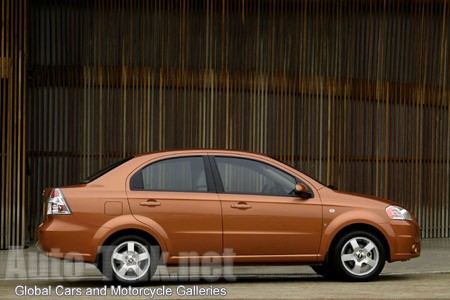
x: 302, y: 191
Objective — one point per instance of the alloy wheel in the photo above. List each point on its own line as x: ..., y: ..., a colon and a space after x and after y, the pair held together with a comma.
x: 130, y: 260
x: 360, y: 256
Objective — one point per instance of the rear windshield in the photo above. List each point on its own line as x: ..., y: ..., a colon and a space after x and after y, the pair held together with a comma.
x: 105, y: 170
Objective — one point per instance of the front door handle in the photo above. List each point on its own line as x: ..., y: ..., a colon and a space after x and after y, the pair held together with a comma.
x: 150, y: 202
x: 241, y: 205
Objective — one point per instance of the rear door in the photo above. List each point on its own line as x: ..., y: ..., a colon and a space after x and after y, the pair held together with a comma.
x: 176, y: 196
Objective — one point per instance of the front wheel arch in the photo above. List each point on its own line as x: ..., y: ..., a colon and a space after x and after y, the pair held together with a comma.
x: 358, y: 256
x: 362, y: 227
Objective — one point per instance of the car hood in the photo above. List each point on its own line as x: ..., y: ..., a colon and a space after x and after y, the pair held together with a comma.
x: 333, y: 197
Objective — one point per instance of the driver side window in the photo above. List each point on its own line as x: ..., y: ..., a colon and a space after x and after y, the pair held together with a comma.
x: 246, y: 176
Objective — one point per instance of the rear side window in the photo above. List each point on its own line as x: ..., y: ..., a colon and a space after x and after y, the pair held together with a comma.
x: 105, y: 170
x: 184, y: 174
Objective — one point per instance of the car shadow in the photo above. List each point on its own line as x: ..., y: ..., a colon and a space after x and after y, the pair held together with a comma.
x: 88, y: 282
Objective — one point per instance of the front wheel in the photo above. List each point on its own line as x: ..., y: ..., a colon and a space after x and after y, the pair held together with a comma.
x: 129, y: 259
x: 358, y: 256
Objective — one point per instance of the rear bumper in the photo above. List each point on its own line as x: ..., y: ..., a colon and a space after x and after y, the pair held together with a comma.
x: 60, y: 237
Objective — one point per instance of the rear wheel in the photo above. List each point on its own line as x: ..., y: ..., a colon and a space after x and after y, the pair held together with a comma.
x: 129, y: 259
x: 358, y: 256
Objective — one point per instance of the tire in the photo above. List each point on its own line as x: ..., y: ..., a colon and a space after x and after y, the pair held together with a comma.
x: 358, y: 256
x: 323, y: 270
x: 129, y: 259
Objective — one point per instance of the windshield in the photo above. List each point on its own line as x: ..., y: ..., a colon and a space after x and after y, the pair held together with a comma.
x: 105, y: 170
x: 312, y: 177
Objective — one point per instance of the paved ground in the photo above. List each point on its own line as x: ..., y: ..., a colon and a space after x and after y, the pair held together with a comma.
x: 27, y: 272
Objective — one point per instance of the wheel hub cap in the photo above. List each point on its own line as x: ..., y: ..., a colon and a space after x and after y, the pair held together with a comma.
x: 131, y: 259
x: 360, y: 255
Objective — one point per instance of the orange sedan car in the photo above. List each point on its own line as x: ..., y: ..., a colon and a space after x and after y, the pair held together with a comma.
x: 166, y: 207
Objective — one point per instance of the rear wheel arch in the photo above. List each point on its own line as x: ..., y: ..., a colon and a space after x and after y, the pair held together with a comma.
x: 126, y: 232
x: 131, y: 231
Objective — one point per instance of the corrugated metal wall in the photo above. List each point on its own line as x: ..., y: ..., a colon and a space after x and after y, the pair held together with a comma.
x: 355, y: 93
x: 13, y: 54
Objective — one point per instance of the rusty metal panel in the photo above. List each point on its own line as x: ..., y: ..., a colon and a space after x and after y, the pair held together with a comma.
x: 355, y: 93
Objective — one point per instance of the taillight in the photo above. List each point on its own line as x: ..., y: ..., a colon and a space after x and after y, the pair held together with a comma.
x: 57, y: 204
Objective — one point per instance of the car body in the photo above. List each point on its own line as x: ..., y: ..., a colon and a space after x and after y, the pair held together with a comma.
x: 164, y: 207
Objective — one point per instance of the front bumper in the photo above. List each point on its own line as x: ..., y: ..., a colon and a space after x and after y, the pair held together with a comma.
x: 406, y: 243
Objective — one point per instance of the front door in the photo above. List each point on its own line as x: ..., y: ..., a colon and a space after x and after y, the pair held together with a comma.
x: 261, y: 213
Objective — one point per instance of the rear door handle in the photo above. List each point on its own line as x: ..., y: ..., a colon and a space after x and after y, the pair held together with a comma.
x: 241, y: 205
x: 150, y: 202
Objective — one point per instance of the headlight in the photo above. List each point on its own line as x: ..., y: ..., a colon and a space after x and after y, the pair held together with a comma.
x: 398, y: 213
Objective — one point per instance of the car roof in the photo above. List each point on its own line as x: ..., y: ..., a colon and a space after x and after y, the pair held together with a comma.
x: 201, y: 150
x: 204, y: 151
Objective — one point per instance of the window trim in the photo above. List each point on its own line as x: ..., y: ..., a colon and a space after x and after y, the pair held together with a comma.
x: 216, y: 175
x: 206, y: 165
x: 221, y: 190
x: 105, y: 170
